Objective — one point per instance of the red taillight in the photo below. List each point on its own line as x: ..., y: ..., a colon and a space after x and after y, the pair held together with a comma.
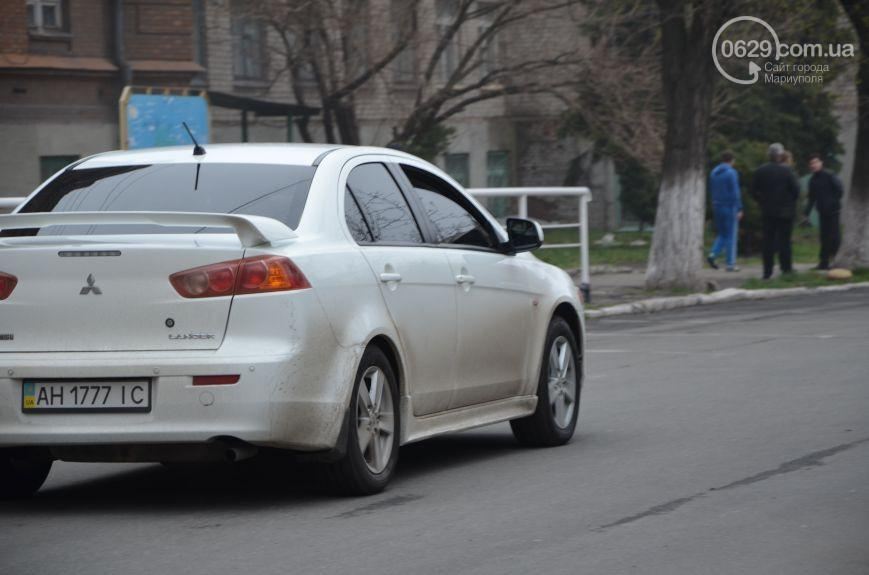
x: 215, y: 379
x: 251, y: 275
x: 206, y: 281
x: 270, y: 273
x: 7, y: 284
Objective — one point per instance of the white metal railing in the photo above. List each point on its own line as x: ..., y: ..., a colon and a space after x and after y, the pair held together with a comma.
x: 9, y: 204
x: 582, y: 194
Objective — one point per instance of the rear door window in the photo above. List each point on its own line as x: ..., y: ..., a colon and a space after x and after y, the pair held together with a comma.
x: 383, y: 205
x: 274, y: 191
x: 356, y: 223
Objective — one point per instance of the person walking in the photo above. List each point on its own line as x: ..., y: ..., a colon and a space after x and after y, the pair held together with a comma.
x: 776, y: 189
x: 726, y: 211
x: 825, y: 194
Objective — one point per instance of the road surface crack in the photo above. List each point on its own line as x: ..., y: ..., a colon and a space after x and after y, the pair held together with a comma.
x: 377, y: 506
x: 813, y: 459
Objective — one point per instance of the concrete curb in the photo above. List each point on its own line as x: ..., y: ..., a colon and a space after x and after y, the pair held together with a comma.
x: 726, y: 295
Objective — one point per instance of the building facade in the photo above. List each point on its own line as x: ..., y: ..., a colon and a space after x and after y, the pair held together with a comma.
x: 64, y: 63
x: 505, y: 141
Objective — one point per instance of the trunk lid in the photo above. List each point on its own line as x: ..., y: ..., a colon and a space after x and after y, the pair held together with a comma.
x: 112, y: 293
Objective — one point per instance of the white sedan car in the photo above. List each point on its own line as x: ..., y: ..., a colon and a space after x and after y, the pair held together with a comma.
x: 165, y: 305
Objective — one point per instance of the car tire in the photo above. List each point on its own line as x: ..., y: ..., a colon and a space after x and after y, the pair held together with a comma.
x: 559, y: 390
x: 373, y: 425
x: 22, y: 473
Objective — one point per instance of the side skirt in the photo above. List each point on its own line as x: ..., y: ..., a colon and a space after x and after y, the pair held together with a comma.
x: 419, y: 428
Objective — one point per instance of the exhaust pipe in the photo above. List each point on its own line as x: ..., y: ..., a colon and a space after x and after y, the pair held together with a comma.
x: 235, y: 451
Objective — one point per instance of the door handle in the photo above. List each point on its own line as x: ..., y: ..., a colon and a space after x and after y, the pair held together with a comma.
x: 465, y: 279
x: 387, y: 277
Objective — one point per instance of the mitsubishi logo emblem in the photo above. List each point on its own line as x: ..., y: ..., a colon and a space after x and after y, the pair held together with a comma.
x: 91, y: 287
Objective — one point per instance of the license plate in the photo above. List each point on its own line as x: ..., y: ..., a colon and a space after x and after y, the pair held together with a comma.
x: 55, y: 395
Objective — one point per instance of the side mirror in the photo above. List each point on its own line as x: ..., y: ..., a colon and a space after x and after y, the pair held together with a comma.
x: 524, y: 235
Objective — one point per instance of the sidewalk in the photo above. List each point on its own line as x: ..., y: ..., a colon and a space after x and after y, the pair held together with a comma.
x: 611, y: 285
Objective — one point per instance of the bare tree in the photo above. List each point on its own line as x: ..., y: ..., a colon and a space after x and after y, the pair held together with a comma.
x: 653, y: 101
x: 687, y: 28
x: 329, y: 54
x: 323, y: 45
x: 623, y: 108
x: 457, y: 74
x: 854, y: 251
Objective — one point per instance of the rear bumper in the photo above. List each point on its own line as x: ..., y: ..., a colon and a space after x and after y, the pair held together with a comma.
x: 293, y: 401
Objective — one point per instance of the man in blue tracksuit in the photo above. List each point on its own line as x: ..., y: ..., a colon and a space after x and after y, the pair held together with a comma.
x: 727, y: 210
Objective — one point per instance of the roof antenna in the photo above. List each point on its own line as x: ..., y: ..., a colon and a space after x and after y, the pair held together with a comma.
x: 197, y: 149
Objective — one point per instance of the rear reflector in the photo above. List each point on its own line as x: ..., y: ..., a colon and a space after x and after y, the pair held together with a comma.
x: 251, y: 275
x: 7, y: 284
x: 215, y: 379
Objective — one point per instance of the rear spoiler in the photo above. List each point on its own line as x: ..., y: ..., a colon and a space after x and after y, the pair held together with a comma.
x: 251, y: 230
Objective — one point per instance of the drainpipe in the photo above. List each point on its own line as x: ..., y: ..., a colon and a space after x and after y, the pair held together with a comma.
x: 120, y: 58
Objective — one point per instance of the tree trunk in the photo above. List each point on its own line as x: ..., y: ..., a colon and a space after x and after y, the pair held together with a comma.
x: 304, y: 131
x: 854, y: 252
x: 676, y: 254
x: 328, y: 128
x: 345, y: 120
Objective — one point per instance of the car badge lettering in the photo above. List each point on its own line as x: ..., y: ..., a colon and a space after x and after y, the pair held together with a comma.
x: 91, y: 288
x: 191, y: 336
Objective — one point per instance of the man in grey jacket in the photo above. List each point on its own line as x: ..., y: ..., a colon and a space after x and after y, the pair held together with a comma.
x: 776, y: 189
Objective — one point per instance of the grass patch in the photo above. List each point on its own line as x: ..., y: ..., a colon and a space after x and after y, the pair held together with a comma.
x: 620, y: 255
x: 805, y: 249
x: 803, y: 279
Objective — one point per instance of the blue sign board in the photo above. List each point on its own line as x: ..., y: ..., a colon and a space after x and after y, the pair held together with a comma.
x: 151, y: 120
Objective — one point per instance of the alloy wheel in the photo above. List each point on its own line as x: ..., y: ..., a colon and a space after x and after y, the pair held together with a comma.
x: 562, y: 382
x: 375, y: 419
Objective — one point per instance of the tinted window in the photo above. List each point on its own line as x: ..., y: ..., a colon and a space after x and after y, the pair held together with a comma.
x: 383, y: 204
x: 355, y: 220
x: 275, y: 191
x: 452, y: 221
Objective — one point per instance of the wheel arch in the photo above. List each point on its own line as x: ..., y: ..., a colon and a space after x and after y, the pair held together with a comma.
x: 569, y: 313
x: 390, y: 350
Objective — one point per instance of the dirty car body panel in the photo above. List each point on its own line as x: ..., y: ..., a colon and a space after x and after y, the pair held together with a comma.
x: 96, y: 303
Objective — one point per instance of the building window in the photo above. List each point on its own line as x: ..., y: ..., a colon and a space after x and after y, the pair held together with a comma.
x: 498, y: 176
x: 403, y: 14
x: 498, y: 169
x: 50, y: 165
x: 447, y: 11
x: 302, y: 69
x: 458, y: 166
x: 45, y: 15
x: 248, y: 46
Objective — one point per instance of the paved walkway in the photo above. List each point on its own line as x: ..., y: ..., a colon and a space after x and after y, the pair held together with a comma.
x: 621, y: 285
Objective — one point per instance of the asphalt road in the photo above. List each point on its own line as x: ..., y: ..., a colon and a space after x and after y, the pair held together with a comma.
x: 727, y: 439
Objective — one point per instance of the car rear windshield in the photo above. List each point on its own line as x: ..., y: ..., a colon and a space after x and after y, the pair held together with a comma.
x: 275, y: 191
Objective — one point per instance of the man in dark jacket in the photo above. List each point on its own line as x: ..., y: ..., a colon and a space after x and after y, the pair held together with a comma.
x: 776, y: 189
x: 726, y: 210
x: 825, y: 193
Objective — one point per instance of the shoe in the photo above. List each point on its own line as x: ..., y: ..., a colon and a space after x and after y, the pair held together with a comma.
x: 766, y: 277
x: 712, y: 263
x: 821, y: 267
x: 733, y: 268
